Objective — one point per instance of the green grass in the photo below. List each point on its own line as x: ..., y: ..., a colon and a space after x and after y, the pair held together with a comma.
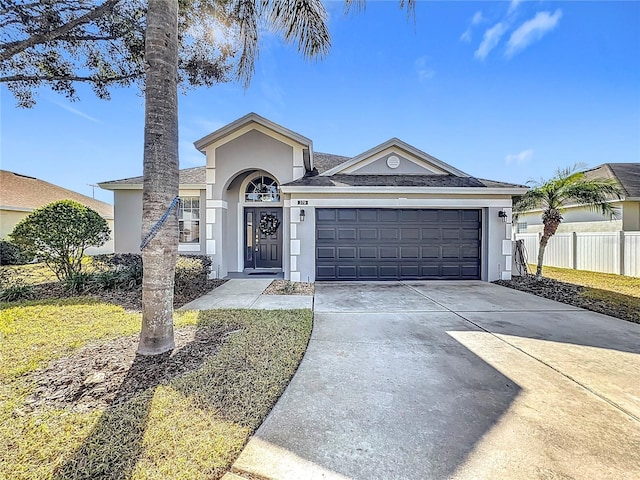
x: 603, y: 281
x: 614, y: 293
x: 191, y: 427
x: 30, y: 274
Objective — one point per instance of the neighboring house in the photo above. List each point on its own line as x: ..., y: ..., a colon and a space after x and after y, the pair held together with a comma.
x: 581, y: 219
x: 265, y: 201
x: 21, y: 195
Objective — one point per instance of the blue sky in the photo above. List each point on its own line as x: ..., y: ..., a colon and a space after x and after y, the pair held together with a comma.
x: 501, y: 90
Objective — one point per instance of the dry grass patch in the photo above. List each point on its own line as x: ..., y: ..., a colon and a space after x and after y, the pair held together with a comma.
x: 287, y: 287
x: 603, y: 281
x: 189, y: 425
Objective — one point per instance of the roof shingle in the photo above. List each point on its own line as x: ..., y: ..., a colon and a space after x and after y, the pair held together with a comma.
x: 28, y: 193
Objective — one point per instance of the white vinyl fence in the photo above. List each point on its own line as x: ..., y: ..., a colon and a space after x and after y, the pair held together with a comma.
x: 608, y: 252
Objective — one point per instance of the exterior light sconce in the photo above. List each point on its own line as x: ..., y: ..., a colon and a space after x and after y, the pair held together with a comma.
x: 302, y: 215
x: 502, y: 215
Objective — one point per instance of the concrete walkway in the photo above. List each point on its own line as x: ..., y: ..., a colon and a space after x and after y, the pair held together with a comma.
x: 463, y: 380
x: 247, y: 293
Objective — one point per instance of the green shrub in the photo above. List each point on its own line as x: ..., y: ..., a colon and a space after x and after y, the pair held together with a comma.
x: 59, y: 233
x: 80, y: 282
x: 11, y: 254
x: 192, y: 272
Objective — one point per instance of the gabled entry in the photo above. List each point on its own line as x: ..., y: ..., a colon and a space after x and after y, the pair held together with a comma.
x: 263, y: 237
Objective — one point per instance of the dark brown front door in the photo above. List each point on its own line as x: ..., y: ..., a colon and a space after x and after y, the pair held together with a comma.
x: 263, y: 237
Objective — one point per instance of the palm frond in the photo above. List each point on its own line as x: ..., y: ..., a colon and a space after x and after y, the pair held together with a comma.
x: 303, y: 22
x: 595, y: 194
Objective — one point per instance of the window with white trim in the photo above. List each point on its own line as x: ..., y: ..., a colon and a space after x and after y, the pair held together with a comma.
x: 521, y: 227
x: 189, y: 221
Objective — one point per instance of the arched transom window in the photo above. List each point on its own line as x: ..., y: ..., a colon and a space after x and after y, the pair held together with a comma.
x: 262, y: 189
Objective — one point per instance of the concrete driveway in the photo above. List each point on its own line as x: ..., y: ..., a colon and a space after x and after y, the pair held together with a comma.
x: 468, y: 380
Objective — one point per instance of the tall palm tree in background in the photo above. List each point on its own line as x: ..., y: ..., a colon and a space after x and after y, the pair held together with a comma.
x: 567, y: 187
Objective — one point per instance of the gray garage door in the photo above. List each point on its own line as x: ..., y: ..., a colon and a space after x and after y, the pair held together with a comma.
x: 393, y: 244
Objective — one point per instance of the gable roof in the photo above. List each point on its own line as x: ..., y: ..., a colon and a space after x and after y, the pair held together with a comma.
x: 398, y: 144
x: 247, y: 119
x: 24, y: 193
x: 627, y: 175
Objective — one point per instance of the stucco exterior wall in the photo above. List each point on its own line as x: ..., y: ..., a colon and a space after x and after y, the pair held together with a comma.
x: 230, y: 163
x: 405, y: 167
x: 8, y: 220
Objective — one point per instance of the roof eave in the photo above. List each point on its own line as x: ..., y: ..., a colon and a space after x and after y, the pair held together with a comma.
x: 138, y: 186
x: 405, y: 190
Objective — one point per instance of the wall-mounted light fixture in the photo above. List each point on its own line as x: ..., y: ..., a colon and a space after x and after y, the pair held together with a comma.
x: 302, y: 214
x: 502, y: 215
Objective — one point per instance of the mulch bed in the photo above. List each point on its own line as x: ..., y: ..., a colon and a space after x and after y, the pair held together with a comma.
x: 285, y: 287
x: 568, y: 293
x: 130, y: 300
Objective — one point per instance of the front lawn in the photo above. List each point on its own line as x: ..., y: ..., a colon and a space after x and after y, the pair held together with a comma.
x: 614, y: 295
x: 602, y: 281
x: 76, y: 402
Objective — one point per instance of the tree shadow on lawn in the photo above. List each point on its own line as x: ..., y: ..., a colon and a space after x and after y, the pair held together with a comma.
x: 115, y: 445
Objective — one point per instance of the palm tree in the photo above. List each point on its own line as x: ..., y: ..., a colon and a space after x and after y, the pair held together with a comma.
x: 299, y: 21
x: 567, y: 187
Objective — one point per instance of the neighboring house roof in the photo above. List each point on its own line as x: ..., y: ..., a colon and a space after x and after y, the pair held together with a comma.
x: 627, y: 175
x: 24, y: 193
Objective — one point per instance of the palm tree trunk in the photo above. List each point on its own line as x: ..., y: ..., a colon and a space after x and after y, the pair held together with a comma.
x: 160, y: 183
x: 543, y: 245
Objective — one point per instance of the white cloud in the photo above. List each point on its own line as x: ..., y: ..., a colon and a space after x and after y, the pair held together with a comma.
x: 490, y: 40
x: 519, y: 158
x: 423, y: 70
x: 477, y: 18
x: 513, y: 5
x: 532, y: 30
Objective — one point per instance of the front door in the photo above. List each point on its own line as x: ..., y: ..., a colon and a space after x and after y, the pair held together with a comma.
x: 263, y: 237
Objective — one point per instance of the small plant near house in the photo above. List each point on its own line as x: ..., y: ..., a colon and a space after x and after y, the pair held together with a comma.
x: 59, y: 233
x: 13, y: 287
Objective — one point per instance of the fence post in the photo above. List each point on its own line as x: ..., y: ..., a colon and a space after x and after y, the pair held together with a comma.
x: 574, y: 250
x: 621, y: 252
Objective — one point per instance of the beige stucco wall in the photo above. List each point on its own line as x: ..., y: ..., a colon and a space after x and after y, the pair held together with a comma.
x: 8, y: 220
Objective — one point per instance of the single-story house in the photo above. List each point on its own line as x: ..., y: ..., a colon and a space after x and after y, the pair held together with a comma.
x: 21, y: 195
x: 582, y: 219
x: 265, y: 201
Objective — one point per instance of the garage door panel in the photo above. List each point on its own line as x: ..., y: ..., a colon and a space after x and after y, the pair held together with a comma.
x: 325, y: 234
x: 390, y: 244
x: 326, y: 253
x: 368, y: 252
x: 388, y: 252
x: 347, y: 234
x: 368, y: 233
x: 367, y: 215
x: 347, y: 215
x: 410, y: 252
